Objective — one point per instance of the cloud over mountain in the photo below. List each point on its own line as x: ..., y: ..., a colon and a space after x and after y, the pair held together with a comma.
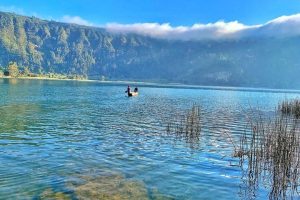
x: 75, y: 20
x: 279, y: 27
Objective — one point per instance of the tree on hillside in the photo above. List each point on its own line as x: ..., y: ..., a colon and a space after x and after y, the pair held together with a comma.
x: 13, y: 69
x: 26, y: 71
x: 1, y: 72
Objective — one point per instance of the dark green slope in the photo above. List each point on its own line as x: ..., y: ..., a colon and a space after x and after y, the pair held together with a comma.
x: 48, y: 46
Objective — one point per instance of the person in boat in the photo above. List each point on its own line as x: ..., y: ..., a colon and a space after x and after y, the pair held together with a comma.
x: 136, y: 89
x: 128, y: 90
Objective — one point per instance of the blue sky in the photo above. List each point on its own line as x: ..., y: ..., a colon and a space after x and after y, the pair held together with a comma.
x: 171, y: 19
x: 175, y: 12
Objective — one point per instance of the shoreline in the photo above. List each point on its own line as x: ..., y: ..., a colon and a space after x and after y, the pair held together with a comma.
x: 42, y: 78
x: 81, y: 80
x: 166, y: 85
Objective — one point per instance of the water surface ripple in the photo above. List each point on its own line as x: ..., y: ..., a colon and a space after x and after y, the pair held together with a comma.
x: 53, y: 131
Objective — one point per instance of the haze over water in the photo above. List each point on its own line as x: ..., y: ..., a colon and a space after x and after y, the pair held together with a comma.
x: 53, y: 133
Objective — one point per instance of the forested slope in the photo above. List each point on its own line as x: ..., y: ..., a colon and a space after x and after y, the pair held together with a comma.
x: 48, y: 46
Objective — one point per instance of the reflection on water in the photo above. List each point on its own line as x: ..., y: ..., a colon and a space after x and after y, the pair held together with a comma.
x: 51, y: 131
x: 17, y: 117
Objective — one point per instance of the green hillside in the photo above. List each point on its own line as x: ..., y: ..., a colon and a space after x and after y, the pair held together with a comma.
x: 53, y: 47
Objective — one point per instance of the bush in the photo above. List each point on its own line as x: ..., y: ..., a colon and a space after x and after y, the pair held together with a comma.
x: 13, y: 69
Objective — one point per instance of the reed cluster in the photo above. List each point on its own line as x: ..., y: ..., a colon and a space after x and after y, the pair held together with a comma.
x: 268, y: 149
x: 186, y: 125
x: 290, y: 107
x: 270, y: 154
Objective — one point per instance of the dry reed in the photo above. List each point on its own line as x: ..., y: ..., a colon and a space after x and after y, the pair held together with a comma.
x: 290, y: 107
x: 186, y: 125
x: 270, y: 154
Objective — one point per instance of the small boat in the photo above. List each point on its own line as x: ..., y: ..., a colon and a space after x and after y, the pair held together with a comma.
x: 131, y: 94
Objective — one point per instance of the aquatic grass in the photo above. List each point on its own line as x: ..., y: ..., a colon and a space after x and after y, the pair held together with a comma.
x: 186, y: 125
x: 268, y: 150
x: 15, y: 117
x: 49, y: 193
x: 269, y: 153
x: 290, y: 107
x: 112, y: 185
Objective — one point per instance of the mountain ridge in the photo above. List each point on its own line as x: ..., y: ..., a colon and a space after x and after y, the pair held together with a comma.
x: 49, y: 46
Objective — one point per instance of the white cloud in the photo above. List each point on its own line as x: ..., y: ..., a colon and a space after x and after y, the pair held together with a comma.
x: 75, y: 20
x: 12, y: 9
x: 21, y: 11
x: 65, y: 18
x: 216, y: 30
x: 279, y: 27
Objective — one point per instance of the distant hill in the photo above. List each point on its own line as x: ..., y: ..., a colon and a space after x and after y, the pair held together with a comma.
x: 48, y: 46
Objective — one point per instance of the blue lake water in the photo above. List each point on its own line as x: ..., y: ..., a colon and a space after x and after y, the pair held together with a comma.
x: 55, y: 133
